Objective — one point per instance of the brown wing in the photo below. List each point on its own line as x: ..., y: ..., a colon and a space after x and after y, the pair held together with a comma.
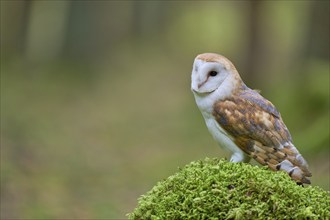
x: 257, y: 128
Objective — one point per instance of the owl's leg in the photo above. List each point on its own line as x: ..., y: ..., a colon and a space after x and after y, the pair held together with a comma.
x: 239, y: 157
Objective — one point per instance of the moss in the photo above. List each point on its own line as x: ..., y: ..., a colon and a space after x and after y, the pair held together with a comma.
x: 217, y: 189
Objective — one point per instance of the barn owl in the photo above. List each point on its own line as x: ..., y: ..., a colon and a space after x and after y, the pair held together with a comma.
x: 243, y: 121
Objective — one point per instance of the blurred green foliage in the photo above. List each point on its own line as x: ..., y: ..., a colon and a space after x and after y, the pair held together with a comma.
x: 95, y: 95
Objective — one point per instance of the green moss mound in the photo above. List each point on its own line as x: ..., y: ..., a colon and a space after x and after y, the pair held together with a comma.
x: 217, y: 189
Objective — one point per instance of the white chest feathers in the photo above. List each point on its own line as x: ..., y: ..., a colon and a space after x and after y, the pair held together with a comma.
x: 222, y: 137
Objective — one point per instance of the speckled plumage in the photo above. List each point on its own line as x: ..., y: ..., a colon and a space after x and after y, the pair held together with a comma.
x: 243, y: 121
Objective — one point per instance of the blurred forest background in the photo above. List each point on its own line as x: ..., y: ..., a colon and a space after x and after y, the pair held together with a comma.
x: 95, y: 95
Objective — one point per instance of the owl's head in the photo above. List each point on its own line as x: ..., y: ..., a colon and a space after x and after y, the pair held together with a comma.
x: 212, y: 72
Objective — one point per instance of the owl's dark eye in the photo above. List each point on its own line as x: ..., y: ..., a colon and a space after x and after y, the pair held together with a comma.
x: 213, y: 73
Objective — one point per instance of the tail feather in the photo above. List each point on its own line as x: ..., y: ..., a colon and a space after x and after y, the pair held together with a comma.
x: 286, y: 158
x: 295, y: 172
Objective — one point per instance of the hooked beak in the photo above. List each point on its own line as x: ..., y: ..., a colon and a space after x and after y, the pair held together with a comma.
x: 202, y: 83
